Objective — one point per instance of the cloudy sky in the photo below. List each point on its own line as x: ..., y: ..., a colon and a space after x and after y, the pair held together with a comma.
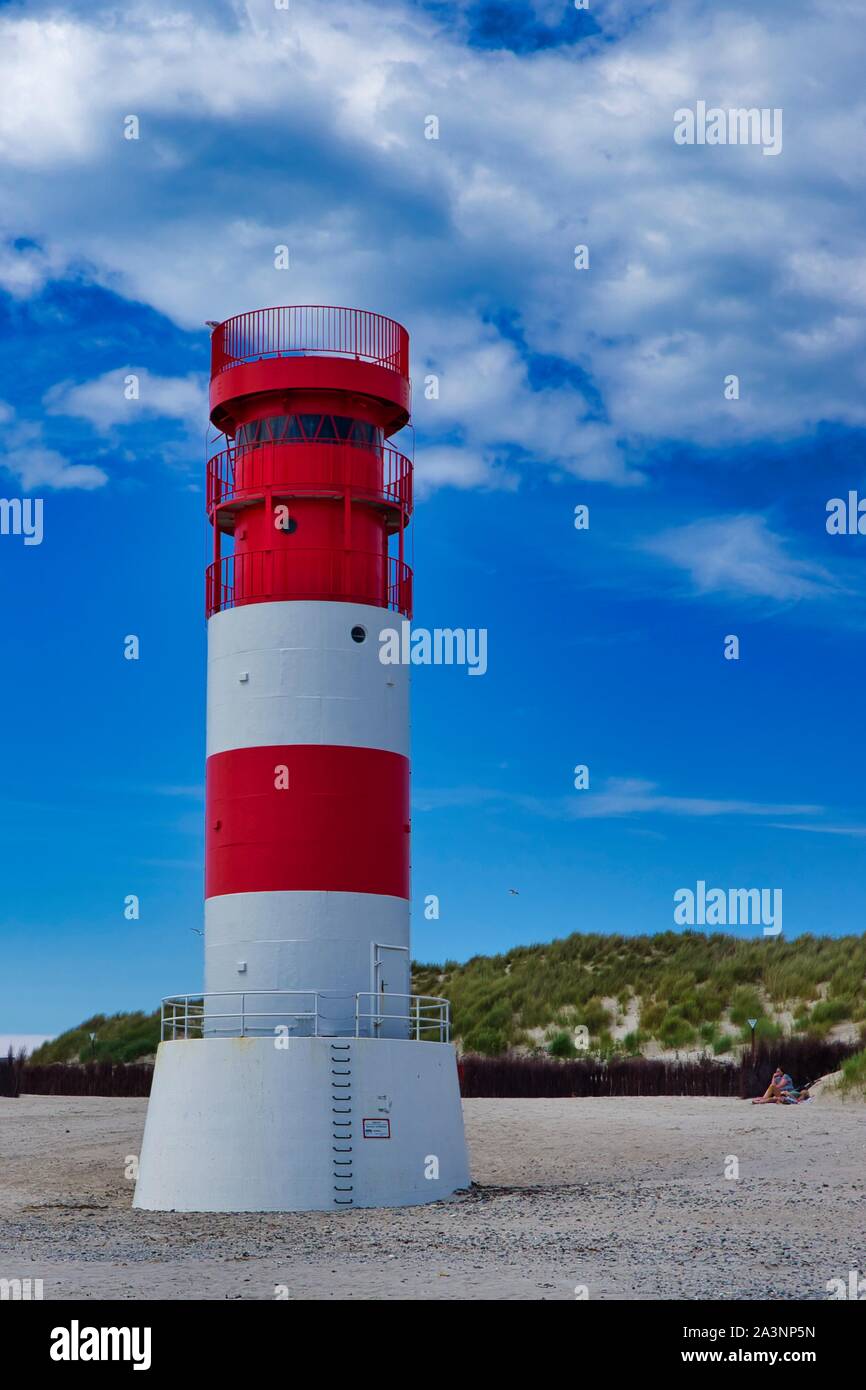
x: 306, y: 127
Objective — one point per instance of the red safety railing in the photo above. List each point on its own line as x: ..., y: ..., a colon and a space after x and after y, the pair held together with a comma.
x: 261, y: 576
x: 374, y: 473
x: 313, y: 329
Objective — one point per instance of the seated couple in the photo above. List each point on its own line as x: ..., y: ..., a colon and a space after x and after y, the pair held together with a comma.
x: 782, y: 1091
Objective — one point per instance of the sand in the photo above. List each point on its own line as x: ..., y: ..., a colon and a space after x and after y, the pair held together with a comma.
x: 624, y: 1196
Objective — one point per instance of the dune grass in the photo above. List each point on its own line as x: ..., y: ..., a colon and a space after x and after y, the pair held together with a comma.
x: 853, y: 1079
x: 121, y: 1037
x: 694, y: 989
x: 684, y: 990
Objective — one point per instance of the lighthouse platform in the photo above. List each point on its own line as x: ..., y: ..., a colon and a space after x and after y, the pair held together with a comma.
x: 277, y: 1122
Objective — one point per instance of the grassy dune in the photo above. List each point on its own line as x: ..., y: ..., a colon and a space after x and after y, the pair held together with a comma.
x: 119, y: 1038
x: 682, y: 990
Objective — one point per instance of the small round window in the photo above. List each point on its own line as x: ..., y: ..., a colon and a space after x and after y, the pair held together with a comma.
x: 359, y: 634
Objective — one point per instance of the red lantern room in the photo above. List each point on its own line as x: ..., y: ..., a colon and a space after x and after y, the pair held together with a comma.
x: 307, y: 485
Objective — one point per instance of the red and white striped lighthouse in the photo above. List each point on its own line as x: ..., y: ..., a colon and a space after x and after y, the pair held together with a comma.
x: 307, y: 847
x: 306, y: 1044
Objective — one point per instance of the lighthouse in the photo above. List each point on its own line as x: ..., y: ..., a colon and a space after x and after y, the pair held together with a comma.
x: 305, y: 1076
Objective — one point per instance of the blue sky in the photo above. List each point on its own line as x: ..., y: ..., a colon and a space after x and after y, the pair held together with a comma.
x: 557, y: 387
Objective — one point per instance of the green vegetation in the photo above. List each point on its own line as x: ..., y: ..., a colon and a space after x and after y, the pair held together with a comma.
x: 678, y: 989
x: 853, y: 1080
x: 562, y: 1045
x: 675, y: 1030
x: 693, y: 990
x: 120, y: 1038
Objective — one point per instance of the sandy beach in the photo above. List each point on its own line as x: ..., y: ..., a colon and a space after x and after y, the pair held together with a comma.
x: 627, y: 1197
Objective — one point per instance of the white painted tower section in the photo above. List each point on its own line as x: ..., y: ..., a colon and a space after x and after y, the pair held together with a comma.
x: 291, y: 673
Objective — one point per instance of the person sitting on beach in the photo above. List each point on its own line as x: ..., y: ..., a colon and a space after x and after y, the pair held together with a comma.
x: 782, y: 1091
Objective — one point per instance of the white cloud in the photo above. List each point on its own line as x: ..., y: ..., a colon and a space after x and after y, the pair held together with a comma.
x: 104, y: 403
x: 450, y: 466
x: 740, y: 555
x: 260, y: 127
x: 631, y: 796
x: 38, y: 467
x: 25, y: 269
x: 854, y: 832
x: 50, y: 70
x: 618, y: 797
x: 25, y: 455
x: 485, y: 396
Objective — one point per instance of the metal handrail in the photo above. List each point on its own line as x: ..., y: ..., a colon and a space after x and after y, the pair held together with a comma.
x: 185, y: 1016
x: 330, y: 466
x: 318, y: 573
x: 310, y: 329
x: 441, y: 1017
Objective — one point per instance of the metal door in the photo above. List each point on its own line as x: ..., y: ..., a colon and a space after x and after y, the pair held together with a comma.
x: 389, y: 1003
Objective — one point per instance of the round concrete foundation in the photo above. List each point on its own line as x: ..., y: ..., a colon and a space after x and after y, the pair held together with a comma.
x: 301, y: 1124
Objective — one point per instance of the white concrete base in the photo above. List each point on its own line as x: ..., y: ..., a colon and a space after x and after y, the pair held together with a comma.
x: 279, y: 1124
